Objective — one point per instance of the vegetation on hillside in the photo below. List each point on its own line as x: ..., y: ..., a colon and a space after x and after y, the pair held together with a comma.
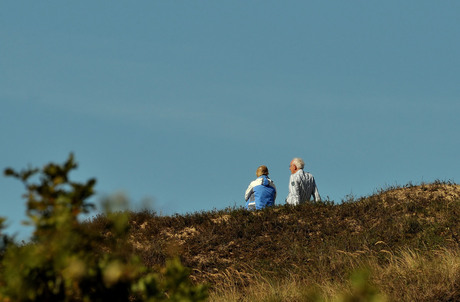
x: 399, y: 244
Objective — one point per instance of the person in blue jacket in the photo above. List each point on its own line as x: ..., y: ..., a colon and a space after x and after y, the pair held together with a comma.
x: 261, y: 192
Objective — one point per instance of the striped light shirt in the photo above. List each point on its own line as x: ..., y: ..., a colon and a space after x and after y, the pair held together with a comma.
x: 301, y: 187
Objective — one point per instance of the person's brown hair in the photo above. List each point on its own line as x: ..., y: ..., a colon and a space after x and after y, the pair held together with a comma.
x: 262, y: 170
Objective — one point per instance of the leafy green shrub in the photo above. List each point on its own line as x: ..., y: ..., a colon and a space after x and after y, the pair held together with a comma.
x: 63, y: 261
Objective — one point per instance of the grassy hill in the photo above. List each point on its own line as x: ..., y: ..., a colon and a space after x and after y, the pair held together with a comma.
x: 400, y: 244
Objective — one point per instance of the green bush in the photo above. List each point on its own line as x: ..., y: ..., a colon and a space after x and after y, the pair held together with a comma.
x: 63, y: 262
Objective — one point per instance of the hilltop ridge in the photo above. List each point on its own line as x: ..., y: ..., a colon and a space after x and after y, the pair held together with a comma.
x: 316, y: 243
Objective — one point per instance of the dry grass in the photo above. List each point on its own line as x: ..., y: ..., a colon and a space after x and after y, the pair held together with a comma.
x: 416, y: 276
x: 408, y: 276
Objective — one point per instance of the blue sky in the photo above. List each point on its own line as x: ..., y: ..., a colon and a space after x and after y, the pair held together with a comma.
x: 179, y: 102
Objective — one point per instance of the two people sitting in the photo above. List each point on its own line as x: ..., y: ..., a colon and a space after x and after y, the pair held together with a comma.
x: 261, y: 192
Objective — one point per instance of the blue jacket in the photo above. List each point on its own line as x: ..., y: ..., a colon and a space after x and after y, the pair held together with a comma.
x: 260, y: 193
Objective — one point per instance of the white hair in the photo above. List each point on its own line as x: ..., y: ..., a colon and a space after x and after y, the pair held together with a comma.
x: 298, y: 162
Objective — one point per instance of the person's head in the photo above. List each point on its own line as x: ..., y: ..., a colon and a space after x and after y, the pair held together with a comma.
x: 262, y: 170
x: 296, y: 164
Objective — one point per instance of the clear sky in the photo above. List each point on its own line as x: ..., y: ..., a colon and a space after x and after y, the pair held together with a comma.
x: 180, y: 101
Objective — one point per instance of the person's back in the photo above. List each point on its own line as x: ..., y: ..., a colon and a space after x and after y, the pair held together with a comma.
x: 302, y: 187
x: 260, y: 192
x: 302, y: 184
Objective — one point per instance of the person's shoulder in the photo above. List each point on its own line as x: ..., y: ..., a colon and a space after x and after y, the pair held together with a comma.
x: 256, y: 182
x: 299, y: 173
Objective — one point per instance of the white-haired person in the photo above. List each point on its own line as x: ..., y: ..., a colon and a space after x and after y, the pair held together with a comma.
x: 302, y: 185
x: 261, y: 192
